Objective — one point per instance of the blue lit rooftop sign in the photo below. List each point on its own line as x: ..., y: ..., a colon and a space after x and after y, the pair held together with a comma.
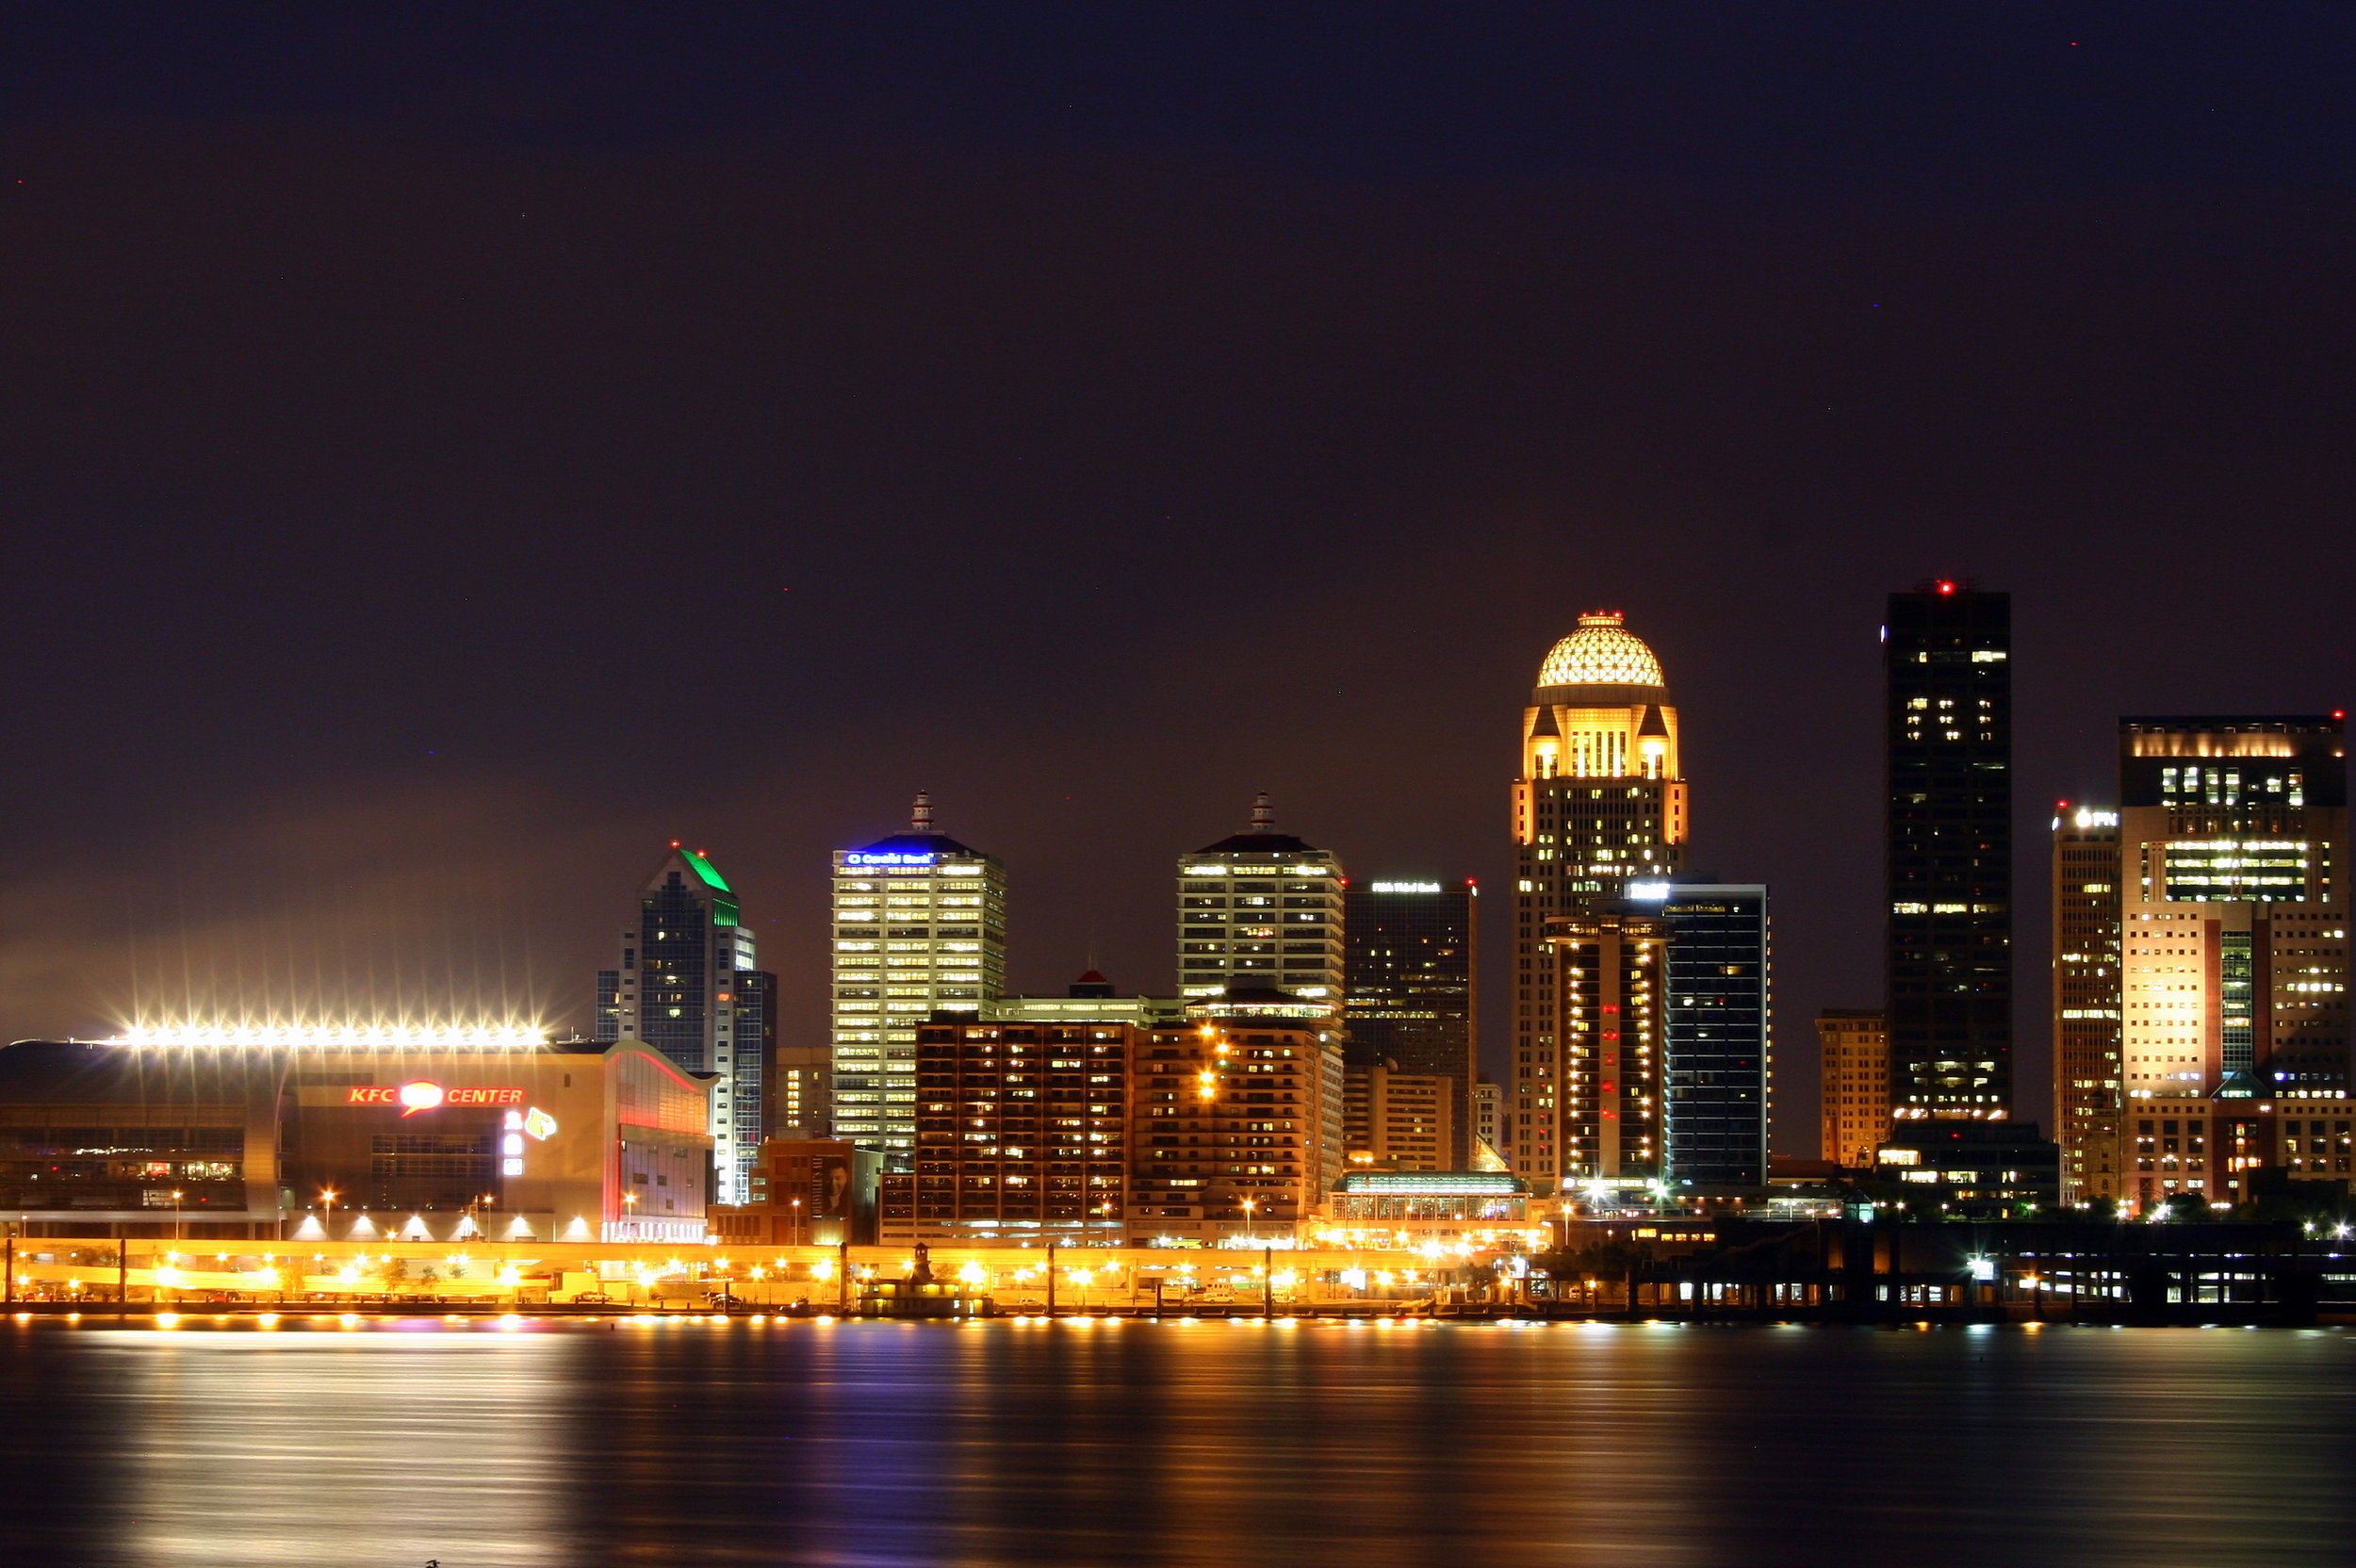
x: 889, y: 858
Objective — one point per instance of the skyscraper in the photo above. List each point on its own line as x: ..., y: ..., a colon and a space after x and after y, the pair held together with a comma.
x: 2234, y: 909
x: 1609, y: 968
x: 1601, y: 801
x: 689, y: 985
x: 920, y: 927
x: 1260, y: 908
x: 2086, y: 1088
x: 1717, y: 1038
x: 1410, y: 960
x: 1947, y: 841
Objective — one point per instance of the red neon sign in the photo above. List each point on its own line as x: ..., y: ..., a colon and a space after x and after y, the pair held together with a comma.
x: 422, y: 1096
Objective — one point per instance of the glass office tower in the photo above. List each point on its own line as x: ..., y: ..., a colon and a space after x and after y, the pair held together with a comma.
x: 1409, y: 966
x: 920, y: 927
x: 689, y: 986
x: 1715, y: 1077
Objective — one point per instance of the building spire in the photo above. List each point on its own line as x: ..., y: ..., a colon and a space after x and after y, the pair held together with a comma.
x: 920, y: 820
x: 1263, y: 814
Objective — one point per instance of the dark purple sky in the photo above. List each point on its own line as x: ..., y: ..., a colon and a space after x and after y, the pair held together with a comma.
x: 450, y: 453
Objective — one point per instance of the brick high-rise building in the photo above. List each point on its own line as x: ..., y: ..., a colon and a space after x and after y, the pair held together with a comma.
x: 1237, y: 1117
x: 1853, y: 1083
x: 1021, y: 1133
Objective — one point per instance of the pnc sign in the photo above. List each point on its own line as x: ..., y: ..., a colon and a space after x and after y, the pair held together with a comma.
x: 422, y: 1096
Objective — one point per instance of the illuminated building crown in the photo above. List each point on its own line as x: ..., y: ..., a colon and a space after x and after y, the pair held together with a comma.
x: 1602, y: 653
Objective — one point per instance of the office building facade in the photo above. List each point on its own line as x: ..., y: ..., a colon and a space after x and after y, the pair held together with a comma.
x: 1854, y: 1079
x: 1717, y: 1041
x: 2232, y: 937
x: 1600, y: 801
x: 920, y: 927
x: 1409, y: 975
x: 1947, y: 652
x: 2087, y: 1037
x: 690, y: 984
x: 1261, y: 908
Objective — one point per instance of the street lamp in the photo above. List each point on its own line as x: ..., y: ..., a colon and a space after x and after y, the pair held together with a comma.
x: 629, y: 1207
x: 328, y: 1199
x: 1249, y: 1205
x: 797, y: 1222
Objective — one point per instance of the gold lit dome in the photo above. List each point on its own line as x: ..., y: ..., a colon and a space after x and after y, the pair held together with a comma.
x: 1602, y: 653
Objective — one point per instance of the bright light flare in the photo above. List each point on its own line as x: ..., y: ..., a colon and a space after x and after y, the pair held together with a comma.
x: 190, y: 1034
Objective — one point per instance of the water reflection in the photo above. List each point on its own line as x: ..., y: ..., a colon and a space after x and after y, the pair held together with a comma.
x: 392, y: 1443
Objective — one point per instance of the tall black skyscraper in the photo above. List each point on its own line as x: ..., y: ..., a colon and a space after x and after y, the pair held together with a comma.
x: 1947, y: 651
x: 1408, y: 968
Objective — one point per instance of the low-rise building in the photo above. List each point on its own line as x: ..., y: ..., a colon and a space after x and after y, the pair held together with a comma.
x: 1973, y: 1170
x: 347, y: 1135
x: 806, y: 1192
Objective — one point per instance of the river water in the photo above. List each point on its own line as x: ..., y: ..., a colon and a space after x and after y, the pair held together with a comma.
x: 332, y: 1444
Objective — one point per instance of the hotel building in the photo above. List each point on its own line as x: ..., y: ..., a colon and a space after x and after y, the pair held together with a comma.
x: 1237, y: 1119
x: 1410, y: 967
x: 1601, y: 802
x: 1021, y: 1133
x: 690, y: 984
x: 920, y: 927
x: 1947, y: 650
x: 1260, y: 908
x: 1609, y: 972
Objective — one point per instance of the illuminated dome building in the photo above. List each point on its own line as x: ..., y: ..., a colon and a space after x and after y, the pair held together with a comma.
x: 1600, y: 805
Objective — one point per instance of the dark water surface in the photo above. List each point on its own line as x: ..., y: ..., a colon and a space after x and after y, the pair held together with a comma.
x: 393, y: 1441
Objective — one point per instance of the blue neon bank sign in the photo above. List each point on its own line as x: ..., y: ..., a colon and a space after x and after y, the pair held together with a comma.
x: 890, y: 858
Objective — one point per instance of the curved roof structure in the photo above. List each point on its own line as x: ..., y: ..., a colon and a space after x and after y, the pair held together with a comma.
x: 1602, y: 653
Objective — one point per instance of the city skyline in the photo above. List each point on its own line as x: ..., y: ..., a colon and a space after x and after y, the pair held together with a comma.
x: 324, y: 601
x: 1037, y: 970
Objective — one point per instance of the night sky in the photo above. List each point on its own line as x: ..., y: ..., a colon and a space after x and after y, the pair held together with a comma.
x: 449, y: 454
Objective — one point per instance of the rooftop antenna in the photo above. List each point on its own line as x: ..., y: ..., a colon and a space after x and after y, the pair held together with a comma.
x: 1263, y: 814
x: 920, y: 820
